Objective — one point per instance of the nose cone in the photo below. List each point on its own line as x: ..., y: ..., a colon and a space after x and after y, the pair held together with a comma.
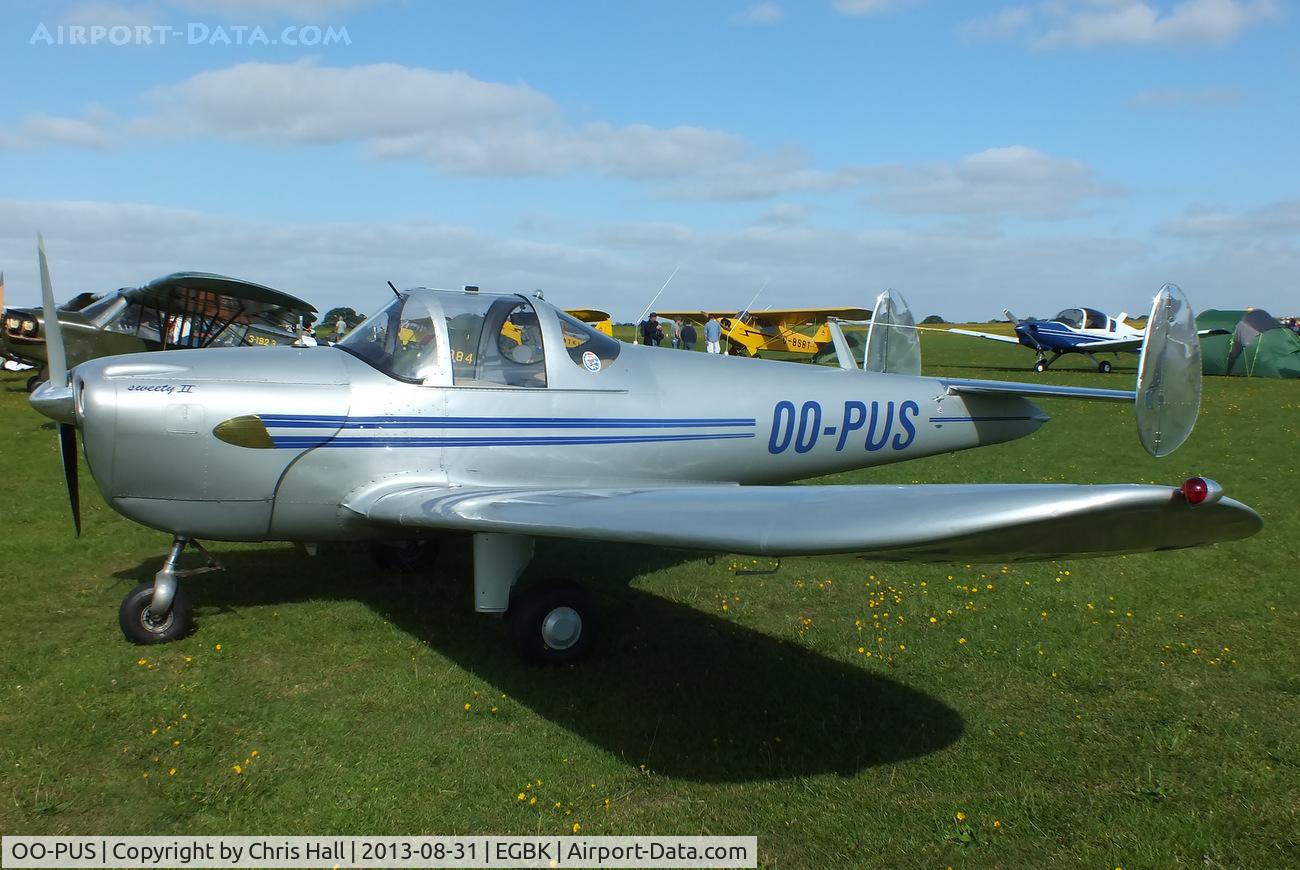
x: 1026, y: 332
x: 55, y: 402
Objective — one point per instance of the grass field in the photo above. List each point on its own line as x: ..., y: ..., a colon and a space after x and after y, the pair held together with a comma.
x: 1140, y: 711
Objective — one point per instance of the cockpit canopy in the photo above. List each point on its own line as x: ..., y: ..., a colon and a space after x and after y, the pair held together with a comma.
x: 490, y: 340
x: 1082, y: 318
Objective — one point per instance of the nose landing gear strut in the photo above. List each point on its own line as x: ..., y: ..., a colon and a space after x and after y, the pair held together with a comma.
x: 161, y: 611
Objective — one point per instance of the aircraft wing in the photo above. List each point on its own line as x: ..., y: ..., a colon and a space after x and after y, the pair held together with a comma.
x: 698, y: 316
x: 924, y: 523
x: 1131, y: 344
x: 796, y: 316
x: 218, y: 296
x: 1114, y: 344
x: 1005, y: 339
x: 588, y: 315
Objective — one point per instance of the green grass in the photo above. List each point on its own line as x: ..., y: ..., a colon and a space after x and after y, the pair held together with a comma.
x: 1137, y: 711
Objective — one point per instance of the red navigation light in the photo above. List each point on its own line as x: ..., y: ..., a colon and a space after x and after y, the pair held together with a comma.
x: 1194, y: 489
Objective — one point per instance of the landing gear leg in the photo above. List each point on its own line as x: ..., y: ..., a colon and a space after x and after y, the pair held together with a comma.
x: 553, y: 622
x: 1043, y: 363
x: 161, y: 611
x: 1103, y: 366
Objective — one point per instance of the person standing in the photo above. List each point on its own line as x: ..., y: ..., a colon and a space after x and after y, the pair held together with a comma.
x: 677, y: 333
x: 651, y: 334
x: 340, y: 327
x: 713, y: 335
x: 688, y: 336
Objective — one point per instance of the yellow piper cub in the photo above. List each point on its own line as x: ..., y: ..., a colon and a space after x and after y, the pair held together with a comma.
x: 786, y: 330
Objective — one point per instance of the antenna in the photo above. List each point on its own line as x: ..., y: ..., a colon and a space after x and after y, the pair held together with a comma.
x: 394, y: 289
x: 637, y: 337
x: 742, y: 314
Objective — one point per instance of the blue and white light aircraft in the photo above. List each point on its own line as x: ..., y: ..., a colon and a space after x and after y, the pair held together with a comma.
x: 1075, y: 330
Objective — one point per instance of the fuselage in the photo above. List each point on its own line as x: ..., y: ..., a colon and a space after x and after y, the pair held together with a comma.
x: 271, y: 444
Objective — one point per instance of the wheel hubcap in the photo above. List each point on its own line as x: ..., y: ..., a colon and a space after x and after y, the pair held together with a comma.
x: 155, y: 626
x: 561, y: 628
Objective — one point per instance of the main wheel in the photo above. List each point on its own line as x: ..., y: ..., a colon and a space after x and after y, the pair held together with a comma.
x: 140, y: 626
x: 33, y: 382
x: 1104, y: 367
x: 554, y: 623
x: 1040, y: 366
x: 405, y: 557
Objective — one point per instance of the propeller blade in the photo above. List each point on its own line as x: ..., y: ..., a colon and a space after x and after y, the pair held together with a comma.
x: 68, y: 452
x: 58, y: 361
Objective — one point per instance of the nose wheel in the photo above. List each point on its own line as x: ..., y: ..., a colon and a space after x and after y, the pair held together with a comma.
x: 142, y: 626
x: 554, y: 622
x: 161, y: 611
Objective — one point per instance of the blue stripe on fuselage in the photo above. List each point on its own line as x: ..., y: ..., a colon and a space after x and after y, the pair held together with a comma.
x: 312, y: 421
x: 307, y: 441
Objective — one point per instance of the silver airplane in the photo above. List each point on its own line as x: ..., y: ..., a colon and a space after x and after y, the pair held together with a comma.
x: 501, y: 417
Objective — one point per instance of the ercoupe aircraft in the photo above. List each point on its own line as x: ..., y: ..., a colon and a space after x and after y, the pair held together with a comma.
x: 502, y: 418
x: 790, y: 330
x: 182, y: 310
x: 1075, y: 330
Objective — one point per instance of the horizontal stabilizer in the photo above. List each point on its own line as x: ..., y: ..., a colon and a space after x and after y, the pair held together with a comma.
x: 992, y: 522
x: 1035, y: 391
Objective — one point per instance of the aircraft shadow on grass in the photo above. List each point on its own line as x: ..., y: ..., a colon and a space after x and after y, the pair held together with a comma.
x: 686, y: 693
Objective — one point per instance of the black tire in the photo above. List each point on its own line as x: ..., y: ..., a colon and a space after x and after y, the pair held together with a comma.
x: 405, y: 557
x: 1104, y: 367
x: 553, y: 606
x: 134, y: 618
x: 33, y: 382
x: 1040, y: 366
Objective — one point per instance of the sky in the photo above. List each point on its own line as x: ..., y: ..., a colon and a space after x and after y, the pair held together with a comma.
x: 973, y: 155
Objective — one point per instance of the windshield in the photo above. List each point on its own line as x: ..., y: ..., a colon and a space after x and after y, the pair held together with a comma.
x: 399, y: 340
x: 1072, y: 317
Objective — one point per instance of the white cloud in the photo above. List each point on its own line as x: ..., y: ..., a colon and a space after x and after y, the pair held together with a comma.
x: 787, y: 214
x: 958, y: 270
x: 1011, y: 181
x: 763, y: 13
x: 763, y: 177
x: 867, y: 7
x: 1274, y: 220
x: 1086, y: 23
x: 450, y: 120
x: 40, y: 129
